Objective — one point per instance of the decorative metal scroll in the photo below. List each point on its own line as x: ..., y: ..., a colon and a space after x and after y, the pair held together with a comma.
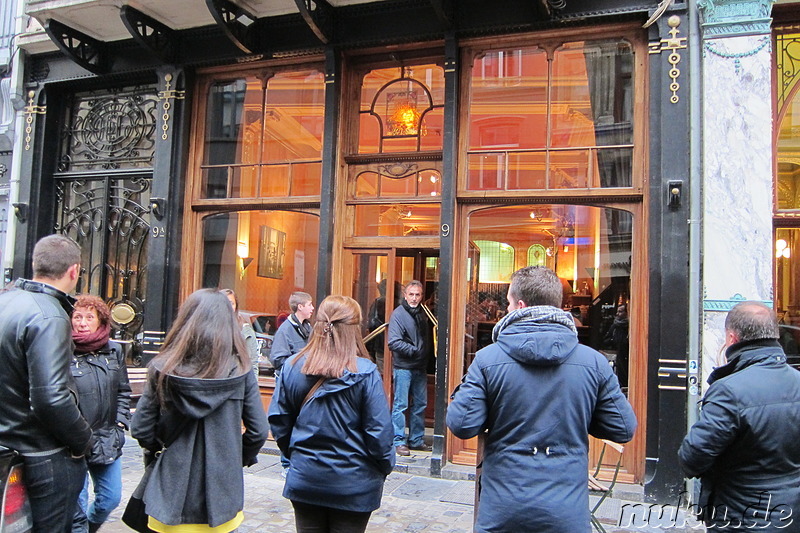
x: 788, y: 62
x: 109, y: 217
x: 112, y: 130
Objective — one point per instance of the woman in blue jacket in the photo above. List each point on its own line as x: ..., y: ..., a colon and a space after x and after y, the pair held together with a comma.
x: 331, y: 419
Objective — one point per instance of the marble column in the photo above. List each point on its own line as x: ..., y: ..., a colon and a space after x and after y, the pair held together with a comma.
x: 737, y: 165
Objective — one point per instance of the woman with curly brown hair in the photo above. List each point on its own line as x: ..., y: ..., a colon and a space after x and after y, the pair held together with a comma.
x: 101, y: 377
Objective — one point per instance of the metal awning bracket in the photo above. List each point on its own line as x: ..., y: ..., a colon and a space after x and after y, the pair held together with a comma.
x: 318, y: 14
x: 153, y: 35
x: 84, y: 50
x: 236, y: 22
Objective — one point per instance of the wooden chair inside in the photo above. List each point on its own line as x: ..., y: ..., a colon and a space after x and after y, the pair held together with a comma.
x: 604, y: 489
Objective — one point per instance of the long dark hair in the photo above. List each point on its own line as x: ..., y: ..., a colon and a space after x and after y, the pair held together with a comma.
x: 336, y: 339
x: 204, y: 342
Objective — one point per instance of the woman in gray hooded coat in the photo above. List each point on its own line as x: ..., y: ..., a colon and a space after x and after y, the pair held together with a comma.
x: 199, y: 392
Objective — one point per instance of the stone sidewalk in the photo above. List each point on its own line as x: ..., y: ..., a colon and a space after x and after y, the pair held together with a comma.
x: 411, y: 503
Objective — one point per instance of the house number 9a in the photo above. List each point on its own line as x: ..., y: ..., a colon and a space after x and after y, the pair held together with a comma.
x: 445, y: 230
x: 158, y: 232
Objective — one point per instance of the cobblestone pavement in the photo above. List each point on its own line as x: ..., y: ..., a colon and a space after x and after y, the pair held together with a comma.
x: 411, y: 503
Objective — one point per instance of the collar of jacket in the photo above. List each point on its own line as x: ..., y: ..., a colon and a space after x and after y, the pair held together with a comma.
x: 747, y: 353
x: 303, y: 329
x: 66, y: 301
x: 535, y: 313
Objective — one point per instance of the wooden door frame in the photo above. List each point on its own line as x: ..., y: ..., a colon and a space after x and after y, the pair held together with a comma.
x: 634, y: 459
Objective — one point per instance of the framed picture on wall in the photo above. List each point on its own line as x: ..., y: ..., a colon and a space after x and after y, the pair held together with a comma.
x: 271, y: 253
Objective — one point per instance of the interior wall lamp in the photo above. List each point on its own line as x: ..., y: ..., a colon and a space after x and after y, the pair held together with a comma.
x: 242, y: 251
x: 782, y: 249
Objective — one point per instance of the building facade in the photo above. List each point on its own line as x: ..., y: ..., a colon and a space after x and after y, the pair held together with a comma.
x: 350, y: 147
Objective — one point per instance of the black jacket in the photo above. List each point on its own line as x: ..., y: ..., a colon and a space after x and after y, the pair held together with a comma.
x: 746, y: 445
x: 409, y: 344
x: 38, y: 404
x: 104, y: 394
x: 198, y: 479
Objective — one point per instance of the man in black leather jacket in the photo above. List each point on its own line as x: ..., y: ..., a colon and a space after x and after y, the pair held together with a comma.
x: 39, y: 416
x: 745, y: 446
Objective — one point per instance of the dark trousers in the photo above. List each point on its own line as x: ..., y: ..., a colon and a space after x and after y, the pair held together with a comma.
x: 54, y: 483
x: 317, y: 519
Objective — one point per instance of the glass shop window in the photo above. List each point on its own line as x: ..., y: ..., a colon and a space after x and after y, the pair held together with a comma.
x: 551, y: 120
x: 263, y: 136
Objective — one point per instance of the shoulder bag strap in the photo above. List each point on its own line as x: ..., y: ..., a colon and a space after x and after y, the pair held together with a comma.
x: 311, y: 392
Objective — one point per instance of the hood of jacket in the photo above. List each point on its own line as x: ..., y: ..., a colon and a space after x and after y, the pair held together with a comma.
x: 539, y: 335
x: 198, y: 397
x: 349, y: 379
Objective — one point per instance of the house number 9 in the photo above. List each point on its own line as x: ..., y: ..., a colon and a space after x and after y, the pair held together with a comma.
x: 158, y: 232
x: 445, y: 230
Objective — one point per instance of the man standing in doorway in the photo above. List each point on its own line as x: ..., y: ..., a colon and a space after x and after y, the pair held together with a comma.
x: 292, y: 335
x: 39, y: 416
x: 411, y: 344
x: 539, y: 394
x: 745, y: 446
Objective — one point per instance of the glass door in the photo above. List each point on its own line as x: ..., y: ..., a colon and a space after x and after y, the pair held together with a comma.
x: 377, y: 280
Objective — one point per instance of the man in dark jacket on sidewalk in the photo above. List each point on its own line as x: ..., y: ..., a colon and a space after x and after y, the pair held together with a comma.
x: 292, y: 335
x: 411, y: 345
x: 539, y: 394
x: 745, y: 446
x: 39, y: 415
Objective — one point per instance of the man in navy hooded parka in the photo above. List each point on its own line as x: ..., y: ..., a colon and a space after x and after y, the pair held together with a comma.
x: 539, y: 394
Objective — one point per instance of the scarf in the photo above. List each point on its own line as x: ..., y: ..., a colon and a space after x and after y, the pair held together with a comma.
x: 421, y: 321
x: 541, y: 314
x: 91, y: 342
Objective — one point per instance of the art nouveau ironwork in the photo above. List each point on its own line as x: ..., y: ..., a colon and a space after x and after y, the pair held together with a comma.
x: 112, y: 130
x: 109, y: 217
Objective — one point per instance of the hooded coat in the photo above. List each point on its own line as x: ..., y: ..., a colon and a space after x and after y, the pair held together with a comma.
x: 539, y: 394
x: 340, y: 443
x: 198, y: 479
x: 745, y: 446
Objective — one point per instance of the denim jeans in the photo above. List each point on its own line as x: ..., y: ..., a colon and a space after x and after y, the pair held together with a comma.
x: 415, y: 383
x: 107, y: 483
x: 53, y: 483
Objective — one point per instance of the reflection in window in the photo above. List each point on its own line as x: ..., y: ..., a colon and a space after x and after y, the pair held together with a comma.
x: 264, y: 138
x: 263, y: 256
x: 589, y: 248
x: 787, y: 291
x: 415, y: 183
x: 397, y: 220
x: 529, y: 129
x: 789, y: 157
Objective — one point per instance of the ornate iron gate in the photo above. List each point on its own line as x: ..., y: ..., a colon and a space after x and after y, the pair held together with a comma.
x: 103, y: 188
